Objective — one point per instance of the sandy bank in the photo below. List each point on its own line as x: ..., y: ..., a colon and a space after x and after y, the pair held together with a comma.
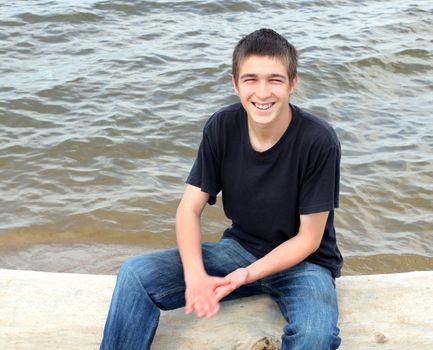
x: 40, y: 310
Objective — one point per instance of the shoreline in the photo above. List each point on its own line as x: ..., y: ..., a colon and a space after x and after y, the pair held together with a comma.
x: 86, y: 256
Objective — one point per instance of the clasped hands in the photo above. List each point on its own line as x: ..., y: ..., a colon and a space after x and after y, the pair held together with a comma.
x: 203, y: 292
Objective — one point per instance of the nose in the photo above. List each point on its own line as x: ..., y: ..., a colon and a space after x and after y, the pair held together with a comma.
x: 263, y: 91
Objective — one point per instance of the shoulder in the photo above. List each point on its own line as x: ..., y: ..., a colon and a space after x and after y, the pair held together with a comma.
x: 225, y: 119
x: 315, y: 129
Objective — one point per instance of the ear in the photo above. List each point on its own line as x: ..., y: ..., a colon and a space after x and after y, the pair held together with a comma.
x: 294, y: 85
x: 235, y: 85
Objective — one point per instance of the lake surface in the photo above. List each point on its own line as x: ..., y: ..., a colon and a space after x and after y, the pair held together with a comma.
x: 102, y: 105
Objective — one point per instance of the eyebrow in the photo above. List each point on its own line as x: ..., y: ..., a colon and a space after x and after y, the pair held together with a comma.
x: 253, y: 75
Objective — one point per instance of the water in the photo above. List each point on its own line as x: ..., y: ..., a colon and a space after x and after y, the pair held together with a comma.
x: 102, y: 105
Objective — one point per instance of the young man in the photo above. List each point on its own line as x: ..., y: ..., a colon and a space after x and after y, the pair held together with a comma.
x: 277, y: 167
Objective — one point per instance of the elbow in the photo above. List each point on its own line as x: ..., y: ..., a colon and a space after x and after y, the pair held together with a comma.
x: 311, y: 242
x: 179, y: 210
x: 182, y: 212
x: 315, y: 242
x: 186, y: 212
x: 315, y: 246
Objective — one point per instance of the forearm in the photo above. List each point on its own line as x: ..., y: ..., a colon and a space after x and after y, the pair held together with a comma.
x: 284, y: 256
x: 292, y: 251
x: 200, y: 287
x: 189, y: 242
x: 280, y: 258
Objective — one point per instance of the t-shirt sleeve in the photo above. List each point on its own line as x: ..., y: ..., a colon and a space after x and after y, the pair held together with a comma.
x: 320, y: 187
x: 205, y: 171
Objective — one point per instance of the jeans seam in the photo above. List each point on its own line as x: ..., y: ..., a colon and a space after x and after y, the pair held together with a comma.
x: 131, y: 271
x: 157, y: 296
x: 170, y: 291
x: 239, y: 253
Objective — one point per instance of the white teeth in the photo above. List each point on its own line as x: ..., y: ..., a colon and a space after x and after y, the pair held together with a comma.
x: 263, y: 107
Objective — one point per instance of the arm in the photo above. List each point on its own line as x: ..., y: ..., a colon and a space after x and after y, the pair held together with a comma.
x: 294, y: 250
x: 188, y: 230
x: 200, y: 287
x: 284, y: 256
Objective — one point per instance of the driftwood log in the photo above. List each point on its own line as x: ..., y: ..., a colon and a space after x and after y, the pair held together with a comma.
x: 41, y: 310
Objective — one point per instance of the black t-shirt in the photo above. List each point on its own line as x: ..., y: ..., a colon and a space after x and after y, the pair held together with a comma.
x: 264, y: 193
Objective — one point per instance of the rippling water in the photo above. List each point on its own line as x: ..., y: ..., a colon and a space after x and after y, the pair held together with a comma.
x: 102, y: 105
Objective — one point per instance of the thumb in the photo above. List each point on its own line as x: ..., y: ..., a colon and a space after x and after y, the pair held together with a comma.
x: 223, y: 291
x: 221, y: 281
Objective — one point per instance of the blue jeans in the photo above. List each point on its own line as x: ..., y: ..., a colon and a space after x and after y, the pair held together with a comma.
x: 147, y: 284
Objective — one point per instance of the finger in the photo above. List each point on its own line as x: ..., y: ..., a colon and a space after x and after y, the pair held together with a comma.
x: 208, y: 304
x: 221, y: 292
x: 218, y: 282
x: 198, y: 308
x: 223, y: 281
x: 189, y: 306
x: 213, y: 312
x: 204, y: 306
x: 188, y: 309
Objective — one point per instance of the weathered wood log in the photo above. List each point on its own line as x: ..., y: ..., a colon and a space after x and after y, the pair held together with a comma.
x: 41, y: 310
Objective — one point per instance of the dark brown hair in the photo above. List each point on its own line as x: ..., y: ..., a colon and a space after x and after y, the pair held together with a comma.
x: 265, y: 42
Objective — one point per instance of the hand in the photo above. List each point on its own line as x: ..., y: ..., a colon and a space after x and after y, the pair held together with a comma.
x: 200, y: 295
x: 235, y: 279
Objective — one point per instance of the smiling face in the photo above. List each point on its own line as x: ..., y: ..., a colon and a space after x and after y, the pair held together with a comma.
x: 264, y: 89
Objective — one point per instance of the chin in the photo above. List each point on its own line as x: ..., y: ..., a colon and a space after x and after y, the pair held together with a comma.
x: 262, y: 119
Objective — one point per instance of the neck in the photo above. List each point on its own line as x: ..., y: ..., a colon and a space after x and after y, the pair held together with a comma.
x: 263, y: 137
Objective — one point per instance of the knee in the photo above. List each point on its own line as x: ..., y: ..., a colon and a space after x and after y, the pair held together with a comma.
x: 322, y: 339
x: 133, y: 264
x: 313, y: 337
x: 136, y: 271
x: 152, y: 269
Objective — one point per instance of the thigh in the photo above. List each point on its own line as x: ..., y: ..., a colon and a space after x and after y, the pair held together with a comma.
x: 222, y: 257
x: 307, y: 298
x: 161, y: 272
x: 226, y: 256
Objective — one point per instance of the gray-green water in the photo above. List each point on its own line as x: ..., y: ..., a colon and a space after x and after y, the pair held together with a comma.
x: 102, y: 105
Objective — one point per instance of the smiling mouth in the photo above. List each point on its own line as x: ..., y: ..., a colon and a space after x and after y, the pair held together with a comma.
x: 263, y: 107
